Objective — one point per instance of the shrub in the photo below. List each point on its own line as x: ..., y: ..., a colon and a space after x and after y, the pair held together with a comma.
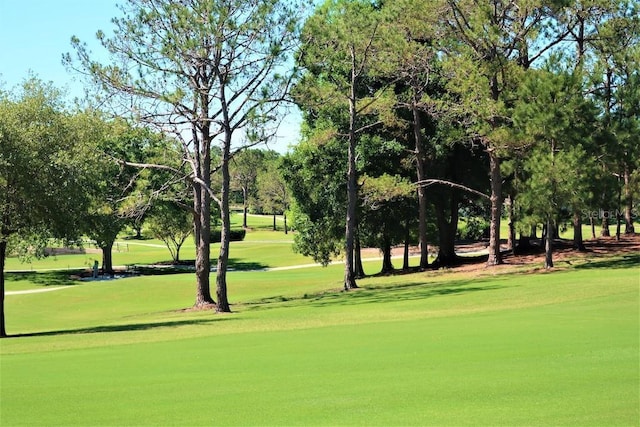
x: 236, y: 235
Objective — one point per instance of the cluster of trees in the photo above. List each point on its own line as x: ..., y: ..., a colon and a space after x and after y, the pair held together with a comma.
x: 528, y: 107
x: 414, y: 112
x: 64, y: 175
x: 204, y: 78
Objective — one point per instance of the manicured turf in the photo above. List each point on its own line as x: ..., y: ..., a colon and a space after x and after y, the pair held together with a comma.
x: 441, y: 348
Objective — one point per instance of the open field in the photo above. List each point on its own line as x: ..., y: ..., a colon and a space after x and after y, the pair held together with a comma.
x: 451, y: 347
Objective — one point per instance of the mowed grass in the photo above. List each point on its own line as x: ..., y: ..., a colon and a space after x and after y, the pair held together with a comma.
x: 435, y: 348
x: 261, y: 248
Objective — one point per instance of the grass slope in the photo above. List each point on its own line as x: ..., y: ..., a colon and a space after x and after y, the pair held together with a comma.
x: 420, y: 349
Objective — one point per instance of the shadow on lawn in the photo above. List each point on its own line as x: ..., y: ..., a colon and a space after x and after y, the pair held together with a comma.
x: 623, y: 261
x: 383, y: 294
x: 49, y: 278
x: 169, y: 267
x: 119, y: 328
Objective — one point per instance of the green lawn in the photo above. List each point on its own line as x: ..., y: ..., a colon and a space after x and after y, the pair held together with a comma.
x: 436, y: 348
x: 264, y: 247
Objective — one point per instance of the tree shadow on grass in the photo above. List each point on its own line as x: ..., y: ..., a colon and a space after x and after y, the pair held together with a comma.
x: 49, y: 278
x: 622, y: 261
x: 121, y: 328
x: 169, y: 267
x: 382, y: 294
x: 239, y: 265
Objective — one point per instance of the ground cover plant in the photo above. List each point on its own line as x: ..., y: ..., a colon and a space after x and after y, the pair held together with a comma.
x: 452, y: 347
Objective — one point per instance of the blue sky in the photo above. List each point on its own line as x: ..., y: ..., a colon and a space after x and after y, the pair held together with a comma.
x: 34, y: 34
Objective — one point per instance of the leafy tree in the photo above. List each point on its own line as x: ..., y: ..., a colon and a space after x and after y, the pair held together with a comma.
x: 43, y: 164
x: 113, y: 182
x: 491, y: 44
x: 417, y: 69
x: 313, y: 173
x: 171, y: 223
x: 382, y: 197
x: 554, y: 113
x: 615, y: 81
x: 245, y: 168
x: 273, y: 193
x: 204, y: 72
x: 342, y: 51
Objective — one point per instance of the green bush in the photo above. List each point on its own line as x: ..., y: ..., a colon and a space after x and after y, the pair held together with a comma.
x: 475, y: 228
x: 236, y: 235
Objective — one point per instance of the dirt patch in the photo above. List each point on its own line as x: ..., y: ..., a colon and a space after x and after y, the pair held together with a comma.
x: 201, y: 307
x: 563, y: 255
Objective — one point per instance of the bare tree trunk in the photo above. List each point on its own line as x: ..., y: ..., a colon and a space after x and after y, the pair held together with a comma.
x: 578, y: 242
x: 286, y: 230
x: 223, y: 258
x: 548, y: 247
x: 357, y: 255
x: 511, y: 241
x: 618, y: 214
x: 593, y: 227
x: 447, y: 228
x: 495, y: 257
x: 202, y: 230
x: 407, y: 238
x: 604, y: 231
x: 107, y: 258
x: 274, y: 222
x: 628, y: 205
x: 422, y: 198
x: 352, y: 190
x: 3, y: 255
x: 245, y: 206
x: 387, y: 265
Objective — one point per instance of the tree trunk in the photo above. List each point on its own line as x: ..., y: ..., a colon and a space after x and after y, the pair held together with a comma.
x: 495, y: 256
x: 511, y: 241
x: 447, y: 228
x: 604, y: 232
x: 202, y: 231
x: 593, y: 226
x: 274, y: 222
x: 422, y: 198
x: 107, y: 258
x: 407, y: 243
x: 3, y: 255
x: 548, y: 246
x: 578, y: 242
x: 359, y: 270
x: 618, y: 214
x: 286, y: 230
x: 352, y: 191
x: 387, y: 265
x: 223, y: 258
x: 245, y: 206
x: 202, y: 209
x: 628, y: 205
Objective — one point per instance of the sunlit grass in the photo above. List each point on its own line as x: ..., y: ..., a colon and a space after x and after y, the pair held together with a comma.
x: 445, y: 348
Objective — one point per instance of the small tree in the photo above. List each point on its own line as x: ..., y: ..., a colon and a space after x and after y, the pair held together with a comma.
x: 172, y: 224
x: 245, y: 168
x: 273, y: 193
